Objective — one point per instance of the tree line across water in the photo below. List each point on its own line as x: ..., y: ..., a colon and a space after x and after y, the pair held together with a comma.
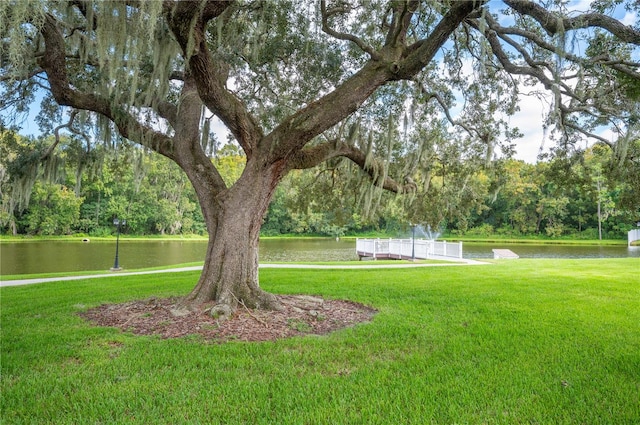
x: 81, y: 191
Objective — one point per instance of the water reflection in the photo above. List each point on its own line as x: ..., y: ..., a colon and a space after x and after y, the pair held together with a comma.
x: 282, y: 250
x: 483, y: 250
x: 67, y: 256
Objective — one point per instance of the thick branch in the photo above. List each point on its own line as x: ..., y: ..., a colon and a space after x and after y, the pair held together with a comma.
x: 83, y: 7
x: 535, y: 70
x: 400, y: 21
x: 374, y: 171
x: 295, y: 131
x: 203, y: 10
x: 554, y: 25
x: 188, y: 152
x: 54, y: 64
x: 626, y: 67
x: 503, y: 58
x: 344, y: 36
x: 313, y: 156
x: 422, y: 52
x: 210, y: 75
x: 168, y: 111
x: 56, y: 131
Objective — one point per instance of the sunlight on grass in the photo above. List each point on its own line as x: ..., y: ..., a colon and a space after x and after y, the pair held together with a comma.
x: 526, y: 341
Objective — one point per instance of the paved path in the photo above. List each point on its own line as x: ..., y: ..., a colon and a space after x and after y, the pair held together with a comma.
x: 462, y: 262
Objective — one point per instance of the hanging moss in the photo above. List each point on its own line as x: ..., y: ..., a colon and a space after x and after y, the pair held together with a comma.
x: 139, y: 168
x: 369, y: 151
x: 26, y: 170
x: 12, y: 14
x: 621, y: 150
x: 123, y: 35
x: 561, y: 45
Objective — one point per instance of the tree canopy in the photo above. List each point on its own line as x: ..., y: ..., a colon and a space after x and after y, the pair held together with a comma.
x: 382, y: 87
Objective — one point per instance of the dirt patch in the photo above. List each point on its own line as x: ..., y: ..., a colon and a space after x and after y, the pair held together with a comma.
x: 301, y: 315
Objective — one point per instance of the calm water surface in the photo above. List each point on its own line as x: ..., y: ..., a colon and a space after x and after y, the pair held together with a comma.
x: 57, y: 256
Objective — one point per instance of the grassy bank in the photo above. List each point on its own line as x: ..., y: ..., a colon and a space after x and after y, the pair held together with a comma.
x: 527, y: 341
x: 542, y: 240
x: 80, y: 237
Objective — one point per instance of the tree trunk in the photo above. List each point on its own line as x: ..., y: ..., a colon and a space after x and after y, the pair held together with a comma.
x: 230, y: 274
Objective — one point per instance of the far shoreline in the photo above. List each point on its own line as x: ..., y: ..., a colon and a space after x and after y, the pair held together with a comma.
x: 529, y: 240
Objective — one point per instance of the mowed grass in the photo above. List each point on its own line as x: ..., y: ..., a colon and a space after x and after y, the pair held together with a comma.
x: 516, y: 342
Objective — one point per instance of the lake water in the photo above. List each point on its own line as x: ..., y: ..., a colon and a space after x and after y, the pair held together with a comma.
x: 67, y: 256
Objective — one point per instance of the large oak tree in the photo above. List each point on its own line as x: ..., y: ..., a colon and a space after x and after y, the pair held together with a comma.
x: 300, y: 83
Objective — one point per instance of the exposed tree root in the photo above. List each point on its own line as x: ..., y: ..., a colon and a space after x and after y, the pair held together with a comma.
x: 298, y: 315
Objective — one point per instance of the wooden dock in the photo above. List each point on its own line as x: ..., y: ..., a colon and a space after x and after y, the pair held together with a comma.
x: 504, y: 253
x: 408, y: 249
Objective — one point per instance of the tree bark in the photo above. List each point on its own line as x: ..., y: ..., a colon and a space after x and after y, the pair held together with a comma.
x: 230, y: 274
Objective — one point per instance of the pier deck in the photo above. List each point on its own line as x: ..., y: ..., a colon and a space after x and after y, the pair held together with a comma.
x: 408, y: 249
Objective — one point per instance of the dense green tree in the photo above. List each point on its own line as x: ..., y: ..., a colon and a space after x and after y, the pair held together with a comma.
x: 298, y: 84
x: 512, y: 198
x: 629, y: 175
x: 23, y: 161
x: 54, y: 210
x: 10, y: 148
x: 174, y: 206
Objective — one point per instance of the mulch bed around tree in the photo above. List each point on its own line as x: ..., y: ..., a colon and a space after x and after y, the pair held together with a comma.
x: 301, y: 315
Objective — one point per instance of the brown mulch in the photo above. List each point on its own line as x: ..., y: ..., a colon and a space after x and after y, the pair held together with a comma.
x: 301, y: 315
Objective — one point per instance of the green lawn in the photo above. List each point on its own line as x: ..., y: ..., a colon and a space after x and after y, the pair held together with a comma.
x: 516, y: 342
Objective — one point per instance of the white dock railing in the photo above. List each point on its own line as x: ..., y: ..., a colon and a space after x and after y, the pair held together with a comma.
x: 633, y: 235
x: 408, y: 248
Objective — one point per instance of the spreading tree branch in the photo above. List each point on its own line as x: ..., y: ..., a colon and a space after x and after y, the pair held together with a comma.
x: 421, y: 53
x: 327, y: 14
x: 395, y: 63
x: 315, y: 155
x: 54, y: 64
x: 554, y: 25
x: 445, y: 109
x: 400, y: 21
x: 540, y: 70
x: 56, y: 131
x: 188, y: 24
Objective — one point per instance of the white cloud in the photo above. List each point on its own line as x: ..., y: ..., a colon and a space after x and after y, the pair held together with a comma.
x: 630, y: 18
x: 529, y: 121
x: 580, y: 6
